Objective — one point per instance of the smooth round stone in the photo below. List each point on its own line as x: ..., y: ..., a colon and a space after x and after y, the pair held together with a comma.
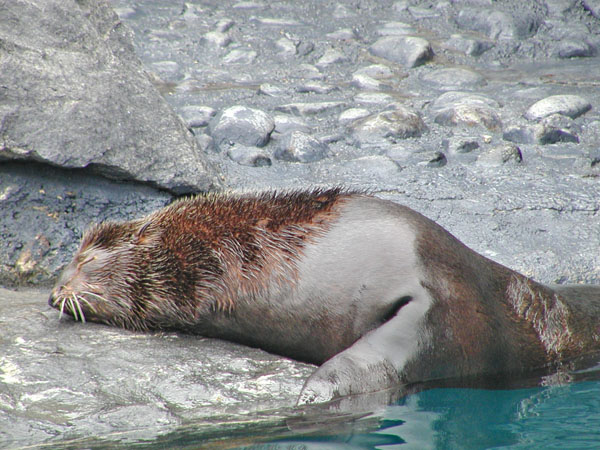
x: 454, y: 78
x: 343, y: 34
x: 408, y: 51
x: 309, y: 109
x: 468, y: 46
x: 224, y: 24
x: 400, y: 123
x: 463, y: 108
x: 243, y: 125
x: 286, y: 47
x: 366, y: 82
x: 301, y: 147
x: 238, y: 56
x: 568, y: 105
x: 197, y: 116
x: 373, y: 98
x: 286, y: 124
x: 270, y: 90
x: 248, y: 156
x: 377, y: 71
x: 217, y: 39
x: 167, y: 70
x: 395, y: 29
x: 570, y: 48
x: 331, y: 56
x: 352, y: 114
x: 315, y: 87
x: 497, y: 25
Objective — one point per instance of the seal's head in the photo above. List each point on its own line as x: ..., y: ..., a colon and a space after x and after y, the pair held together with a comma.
x: 108, y: 279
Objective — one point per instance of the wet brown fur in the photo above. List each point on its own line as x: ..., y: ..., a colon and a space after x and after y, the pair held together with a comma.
x: 203, y: 253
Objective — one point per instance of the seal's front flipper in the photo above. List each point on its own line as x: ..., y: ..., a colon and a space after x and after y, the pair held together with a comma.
x: 375, y: 361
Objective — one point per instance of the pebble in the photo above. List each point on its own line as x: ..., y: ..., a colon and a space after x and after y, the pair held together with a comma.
x: 243, y: 125
x: 309, y: 109
x: 550, y: 130
x: 286, y: 46
x: 570, y: 48
x: 461, y: 144
x: 408, y: 51
x: 315, y: 87
x: 238, y: 56
x: 217, y: 39
x: 343, y: 34
x: 298, y: 146
x: 167, y: 70
x: 331, y: 56
x: 366, y: 82
x: 249, y: 156
x: 271, y: 90
x: 463, y: 108
x: 497, y: 25
x: 197, y: 116
x: 501, y: 154
x: 286, y: 124
x: 568, y: 105
x: 373, y: 98
x: 435, y: 159
x: 396, y: 29
x: 351, y: 115
x: 389, y: 126
x: 469, y: 46
x: 224, y: 24
x: 309, y: 72
x: 453, y: 78
x: 377, y: 71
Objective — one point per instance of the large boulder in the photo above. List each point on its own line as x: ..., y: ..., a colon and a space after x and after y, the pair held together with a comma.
x: 74, y: 94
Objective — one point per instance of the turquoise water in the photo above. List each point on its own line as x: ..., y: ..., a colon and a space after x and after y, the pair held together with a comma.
x: 554, y: 417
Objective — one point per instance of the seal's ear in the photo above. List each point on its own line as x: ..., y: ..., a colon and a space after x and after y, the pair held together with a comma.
x: 143, y: 233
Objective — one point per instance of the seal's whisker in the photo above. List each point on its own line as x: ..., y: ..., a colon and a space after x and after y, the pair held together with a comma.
x: 76, y: 301
x: 72, y: 307
x: 83, y: 299
x: 62, y: 306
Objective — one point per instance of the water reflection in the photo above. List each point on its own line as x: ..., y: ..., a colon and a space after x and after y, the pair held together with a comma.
x: 566, y: 416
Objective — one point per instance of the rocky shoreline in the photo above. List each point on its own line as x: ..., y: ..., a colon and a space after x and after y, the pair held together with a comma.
x: 484, y: 116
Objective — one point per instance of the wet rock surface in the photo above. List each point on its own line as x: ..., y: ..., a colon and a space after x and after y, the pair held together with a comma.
x: 482, y: 116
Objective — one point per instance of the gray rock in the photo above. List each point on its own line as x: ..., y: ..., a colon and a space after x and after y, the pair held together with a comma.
x: 217, y: 39
x: 286, y: 124
x: 331, y: 56
x: 240, y: 56
x: 396, y: 29
x: 408, y: 51
x: 366, y: 82
x: 593, y: 6
x: 243, y: 125
x: 501, y: 154
x: 389, y: 126
x: 463, y: 108
x: 462, y: 144
x: 88, y: 102
x: 343, y: 34
x: 454, y: 78
x: 309, y: 109
x: 498, y: 25
x: 249, y: 156
x: 350, y: 115
x: 377, y: 71
x: 552, y: 129
x: 300, y: 147
x: 197, y: 116
x: 315, y: 87
x: 435, y: 159
x: 224, y: 24
x: 168, y: 71
x: 374, y: 98
x: 286, y: 46
x: 574, y: 49
x: 569, y: 105
x: 469, y: 46
x: 271, y: 90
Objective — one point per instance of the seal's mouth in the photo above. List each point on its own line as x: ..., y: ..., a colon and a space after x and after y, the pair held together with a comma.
x: 72, y: 303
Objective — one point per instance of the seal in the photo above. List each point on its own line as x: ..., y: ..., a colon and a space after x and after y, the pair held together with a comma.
x: 373, y: 292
